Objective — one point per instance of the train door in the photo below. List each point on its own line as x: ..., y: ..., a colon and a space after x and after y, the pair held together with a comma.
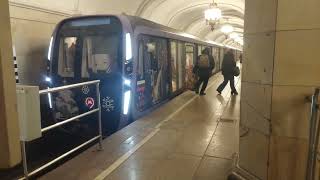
x: 177, y: 66
x: 152, y: 84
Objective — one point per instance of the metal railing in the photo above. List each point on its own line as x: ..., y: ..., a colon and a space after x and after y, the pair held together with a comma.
x: 314, y: 129
x: 28, y: 174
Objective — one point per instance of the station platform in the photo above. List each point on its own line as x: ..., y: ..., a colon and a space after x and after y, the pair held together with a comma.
x: 191, y: 137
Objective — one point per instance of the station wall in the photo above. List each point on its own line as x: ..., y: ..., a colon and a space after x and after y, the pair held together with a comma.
x: 31, y: 26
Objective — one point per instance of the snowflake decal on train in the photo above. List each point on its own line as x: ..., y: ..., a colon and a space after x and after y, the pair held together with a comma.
x: 108, y: 104
x: 85, y: 89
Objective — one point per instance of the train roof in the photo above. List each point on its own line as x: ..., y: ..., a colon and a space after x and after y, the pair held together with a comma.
x: 140, y: 22
x: 137, y: 22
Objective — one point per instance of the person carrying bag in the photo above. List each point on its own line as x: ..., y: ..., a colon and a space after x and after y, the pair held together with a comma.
x: 203, y: 69
x: 229, y: 70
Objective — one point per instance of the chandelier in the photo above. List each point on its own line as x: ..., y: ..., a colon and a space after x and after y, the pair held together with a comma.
x: 213, y: 15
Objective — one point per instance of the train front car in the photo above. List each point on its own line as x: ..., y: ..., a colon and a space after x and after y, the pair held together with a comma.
x: 92, y: 48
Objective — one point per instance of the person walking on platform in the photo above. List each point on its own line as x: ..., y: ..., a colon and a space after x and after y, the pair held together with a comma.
x: 228, y: 72
x: 203, y: 69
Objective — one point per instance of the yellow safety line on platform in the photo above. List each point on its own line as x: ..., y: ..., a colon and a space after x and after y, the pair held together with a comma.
x: 124, y: 157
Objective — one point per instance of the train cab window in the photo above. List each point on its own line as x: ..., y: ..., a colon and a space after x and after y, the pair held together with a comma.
x: 88, y: 48
x: 99, y: 56
x: 67, y: 55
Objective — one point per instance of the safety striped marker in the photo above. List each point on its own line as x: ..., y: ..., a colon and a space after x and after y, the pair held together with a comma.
x: 15, y: 64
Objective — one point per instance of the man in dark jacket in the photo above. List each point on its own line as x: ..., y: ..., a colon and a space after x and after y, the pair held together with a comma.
x: 203, y: 68
x: 228, y: 70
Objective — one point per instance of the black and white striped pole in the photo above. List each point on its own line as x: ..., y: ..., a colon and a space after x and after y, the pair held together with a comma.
x: 15, y: 64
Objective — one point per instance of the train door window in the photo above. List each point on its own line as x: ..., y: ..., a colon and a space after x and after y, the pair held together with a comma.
x: 181, y: 62
x: 174, y: 70
x: 67, y: 55
x: 189, y: 55
x: 190, y: 60
x: 161, y: 87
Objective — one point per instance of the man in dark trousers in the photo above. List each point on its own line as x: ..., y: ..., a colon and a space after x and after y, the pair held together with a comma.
x: 203, y: 68
x: 228, y: 72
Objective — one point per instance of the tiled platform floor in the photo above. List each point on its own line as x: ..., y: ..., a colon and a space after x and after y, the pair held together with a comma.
x: 196, y: 143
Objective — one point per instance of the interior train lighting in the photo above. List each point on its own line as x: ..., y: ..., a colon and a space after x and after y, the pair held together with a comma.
x: 128, y: 47
x: 126, y: 104
x: 49, y: 51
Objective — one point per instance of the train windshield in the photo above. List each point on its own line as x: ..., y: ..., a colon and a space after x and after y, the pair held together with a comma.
x: 89, y: 48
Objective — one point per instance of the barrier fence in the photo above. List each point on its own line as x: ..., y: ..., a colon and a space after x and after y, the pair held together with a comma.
x: 28, y: 174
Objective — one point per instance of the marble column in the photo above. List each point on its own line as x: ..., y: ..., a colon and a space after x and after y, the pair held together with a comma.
x: 281, y: 66
x: 9, y: 127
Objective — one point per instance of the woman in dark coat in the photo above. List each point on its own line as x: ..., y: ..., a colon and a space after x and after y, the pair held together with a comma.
x: 228, y: 66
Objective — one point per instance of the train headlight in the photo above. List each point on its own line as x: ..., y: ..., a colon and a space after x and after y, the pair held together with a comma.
x: 126, y: 82
x: 49, y: 50
x: 126, y: 102
x: 128, y: 47
x: 50, y: 100
x: 48, y: 79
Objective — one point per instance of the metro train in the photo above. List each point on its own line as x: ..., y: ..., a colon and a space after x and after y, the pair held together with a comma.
x: 141, y: 65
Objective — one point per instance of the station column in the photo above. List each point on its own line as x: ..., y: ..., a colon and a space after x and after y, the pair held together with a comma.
x: 9, y: 127
x: 281, y: 67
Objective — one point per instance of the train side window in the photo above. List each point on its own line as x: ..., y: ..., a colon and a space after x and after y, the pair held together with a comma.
x: 140, y: 70
x: 199, y: 50
x: 215, y: 54
x: 174, y: 74
x: 67, y: 55
x: 181, y: 62
x: 189, y: 55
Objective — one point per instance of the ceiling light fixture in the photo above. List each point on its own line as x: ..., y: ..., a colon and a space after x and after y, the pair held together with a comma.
x: 227, y: 29
x: 213, y: 15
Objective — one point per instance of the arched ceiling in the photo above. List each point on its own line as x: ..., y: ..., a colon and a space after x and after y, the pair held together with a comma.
x: 188, y: 15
